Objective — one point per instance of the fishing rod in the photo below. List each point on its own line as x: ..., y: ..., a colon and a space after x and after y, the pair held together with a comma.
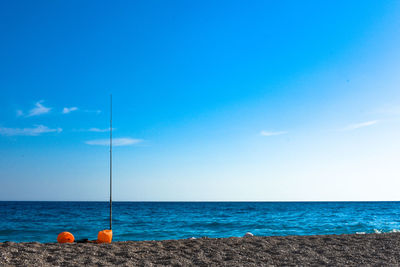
x: 110, y: 161
x: 105, y: 236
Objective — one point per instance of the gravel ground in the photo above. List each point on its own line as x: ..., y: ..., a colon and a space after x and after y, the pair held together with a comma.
x: 369, y: 249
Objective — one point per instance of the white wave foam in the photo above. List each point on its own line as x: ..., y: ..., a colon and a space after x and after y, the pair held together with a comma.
x: 376, y: 231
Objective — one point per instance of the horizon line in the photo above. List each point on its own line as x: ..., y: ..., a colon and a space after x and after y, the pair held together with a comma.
x: 201, y: 201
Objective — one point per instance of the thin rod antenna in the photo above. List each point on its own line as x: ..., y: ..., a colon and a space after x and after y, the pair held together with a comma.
x: 110, y: 161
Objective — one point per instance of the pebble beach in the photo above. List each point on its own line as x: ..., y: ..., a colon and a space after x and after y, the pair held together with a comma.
x: 354, y: 249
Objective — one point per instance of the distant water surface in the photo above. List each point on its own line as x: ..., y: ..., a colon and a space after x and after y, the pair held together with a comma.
x: 42, y: 221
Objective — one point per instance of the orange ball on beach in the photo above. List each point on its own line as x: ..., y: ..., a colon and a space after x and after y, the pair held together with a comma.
x: 104, y: 236
x: 65, y: 237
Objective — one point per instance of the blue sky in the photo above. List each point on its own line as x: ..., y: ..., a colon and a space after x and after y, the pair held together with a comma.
x: 213, y: 100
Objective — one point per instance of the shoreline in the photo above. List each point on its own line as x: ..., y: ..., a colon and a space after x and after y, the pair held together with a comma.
x: 346, y: 249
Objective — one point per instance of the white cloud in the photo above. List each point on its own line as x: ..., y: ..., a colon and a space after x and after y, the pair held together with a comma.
x: 267, y: 133
x: 69, y: 110
x: 97, y: 130
x: 359, y: 125
x: 39, y: 109
x: 116, y: 142
x: 37, y: 130
x: 20, y: 113
x: 94, y: 129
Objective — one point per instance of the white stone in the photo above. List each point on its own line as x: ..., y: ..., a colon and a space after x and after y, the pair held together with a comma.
x: 248, y: 234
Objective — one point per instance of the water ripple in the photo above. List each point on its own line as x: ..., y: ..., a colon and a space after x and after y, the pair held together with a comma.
x: 42, y: 221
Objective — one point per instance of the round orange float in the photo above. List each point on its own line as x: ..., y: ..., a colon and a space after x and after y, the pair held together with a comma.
x: 65, y: 237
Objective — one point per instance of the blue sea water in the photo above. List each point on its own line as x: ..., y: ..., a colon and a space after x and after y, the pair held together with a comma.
x: 42, y: 221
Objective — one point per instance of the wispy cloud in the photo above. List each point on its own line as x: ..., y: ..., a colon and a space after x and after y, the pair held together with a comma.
x: 269, y: 133
x: 95, y: 130
x: 69, y: 110
x: 39, y: 109
x: 116, y: 142
x: 19, y: 113
x: 98, y: 130
x: 359, y: 125
x: 37, y: 130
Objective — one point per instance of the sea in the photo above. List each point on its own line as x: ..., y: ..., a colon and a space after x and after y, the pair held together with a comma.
x: 42, y: 221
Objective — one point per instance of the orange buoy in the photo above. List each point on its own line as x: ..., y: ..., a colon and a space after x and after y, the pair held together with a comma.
x: 104, y: 236
x: 65, y: 237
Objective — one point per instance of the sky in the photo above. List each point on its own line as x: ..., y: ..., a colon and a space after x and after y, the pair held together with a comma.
x: 212, y: 100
